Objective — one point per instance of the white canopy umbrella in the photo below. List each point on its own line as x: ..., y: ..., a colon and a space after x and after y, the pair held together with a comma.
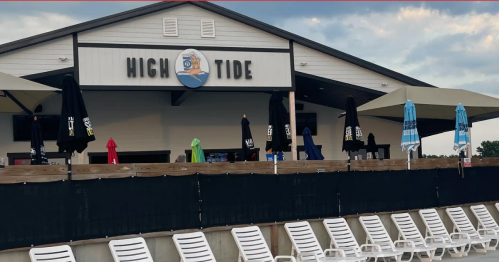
x: 431, y: 103
x: 21, y: 95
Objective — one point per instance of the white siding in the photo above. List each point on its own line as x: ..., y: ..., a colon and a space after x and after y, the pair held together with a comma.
x: 39, y: 58
x: 148, y: 30
x: 329, y: 67
x: 108, y: 66
x: 146, y: 121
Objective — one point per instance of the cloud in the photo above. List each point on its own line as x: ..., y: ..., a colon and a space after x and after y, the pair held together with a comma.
x: 28, y: 25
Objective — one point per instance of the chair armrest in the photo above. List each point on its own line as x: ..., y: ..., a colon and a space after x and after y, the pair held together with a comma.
x: 375, y: 247
x: 484, y: 230
x: 312, y: 254
x: 434, y: 238
x: 291, y: 258
x: 460, y: 236
x: 336, y: 251
x: 408, y: 242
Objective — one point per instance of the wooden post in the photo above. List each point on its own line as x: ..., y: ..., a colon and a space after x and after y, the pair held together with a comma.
x: 292, y: 123
x: 470, y: 148
x: 274, y: 241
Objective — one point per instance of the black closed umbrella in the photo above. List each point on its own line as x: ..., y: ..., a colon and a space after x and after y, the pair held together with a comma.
x: 352, y: 134
x: 75, y: 129
x: 38, y: 156
x: 279, y: 131
x: 247, y: 139
x: 371, y: 145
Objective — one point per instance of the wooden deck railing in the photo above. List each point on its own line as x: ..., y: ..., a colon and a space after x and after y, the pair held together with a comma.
x: 19, y: 174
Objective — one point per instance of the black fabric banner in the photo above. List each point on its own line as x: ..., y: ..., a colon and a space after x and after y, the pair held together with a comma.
x: 112, y: 207
x: 385, y: 191
x: 238, y: 199
x: 54, y: 212
x: 307, y: 196
x: 33, y: 214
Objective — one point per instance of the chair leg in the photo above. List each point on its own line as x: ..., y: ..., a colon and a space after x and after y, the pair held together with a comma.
x: 493, y: 246
x: 408, y: 260
x: 456, y: 252
x: 438, y: 253
x: 481, y: 248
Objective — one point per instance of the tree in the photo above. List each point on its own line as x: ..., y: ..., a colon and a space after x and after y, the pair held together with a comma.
x: 489, y: 149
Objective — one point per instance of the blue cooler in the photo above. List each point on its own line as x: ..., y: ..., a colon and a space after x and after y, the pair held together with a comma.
x: 280, y: 156
x: 270, y: 157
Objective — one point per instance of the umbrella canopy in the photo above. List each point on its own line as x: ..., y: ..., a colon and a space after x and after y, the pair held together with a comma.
x: 38, y: 156
x: 410, y: 136
x: 432, y: 103
x: 247, y: 139
x: 311, y: 150
x: 352, y: 134
x: 17, y: 93
x: 75, y: 129
x: 279, y: 131
x: 371, y: 145
x: 197, y: 152
x: 112, y: 156
x: 461, y: 137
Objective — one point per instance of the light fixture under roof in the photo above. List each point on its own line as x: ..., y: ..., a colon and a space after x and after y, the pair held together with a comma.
x: 305, y: 96
x: 321, y: 88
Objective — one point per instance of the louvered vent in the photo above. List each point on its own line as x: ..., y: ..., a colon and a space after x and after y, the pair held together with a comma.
x: 207, y: 28
x: 170, y: 27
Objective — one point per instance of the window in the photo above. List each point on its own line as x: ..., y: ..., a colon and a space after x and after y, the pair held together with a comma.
x: 48, y: 123
x: 306, y: 120
x: 383, y: 152
x: 132, y: 157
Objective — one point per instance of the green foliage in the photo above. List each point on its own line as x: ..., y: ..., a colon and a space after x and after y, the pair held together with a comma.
x: 489, y: 149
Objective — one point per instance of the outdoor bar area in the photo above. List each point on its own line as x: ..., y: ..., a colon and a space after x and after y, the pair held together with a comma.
x: 185, y: 117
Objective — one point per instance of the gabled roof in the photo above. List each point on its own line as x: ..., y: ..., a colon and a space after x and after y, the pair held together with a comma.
x: 215, y: 9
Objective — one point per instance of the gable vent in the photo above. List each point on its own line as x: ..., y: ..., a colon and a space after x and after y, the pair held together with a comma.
x: 170, y: 27
x: 207, y: 28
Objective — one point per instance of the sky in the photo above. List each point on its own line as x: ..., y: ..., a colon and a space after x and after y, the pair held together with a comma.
x: 447, y: 44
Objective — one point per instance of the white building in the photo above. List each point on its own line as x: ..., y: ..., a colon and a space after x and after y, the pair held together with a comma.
x: 153, y: 111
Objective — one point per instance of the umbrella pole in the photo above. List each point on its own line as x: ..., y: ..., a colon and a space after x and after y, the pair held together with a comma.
x: 275, y: 164
x: 348, y: 165
x: 408, y: 160
x: 69, y: 166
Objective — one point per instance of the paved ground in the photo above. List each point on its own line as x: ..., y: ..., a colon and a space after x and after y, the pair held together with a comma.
x: 491, y: 256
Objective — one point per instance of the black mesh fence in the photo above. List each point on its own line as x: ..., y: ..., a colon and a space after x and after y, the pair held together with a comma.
x: 384, y: 191
x: 42, y: 213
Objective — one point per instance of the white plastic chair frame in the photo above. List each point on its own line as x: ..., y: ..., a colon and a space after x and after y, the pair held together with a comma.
x: 462, y: 224
x: 52, y: 254
x: 193, y: 247
x: 409, y: 231
x: 252, y: 246
x: 486, y: 221
x: 342, y: 238
x: 377, y: 234
x: 305, y: 246
x: 132, y: 249
x: 435, y: 227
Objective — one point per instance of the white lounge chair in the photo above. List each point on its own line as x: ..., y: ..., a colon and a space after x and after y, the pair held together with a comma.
x: 252, y: 246
x: 193, y: 247
x: 486, y: 221
x: 409, y: 231
x: 305, y: 247
x: 52, y: 254
x: 132, y: 249
x: 343, y: 238
x: 462, y: 224
x: 435, y: 227
x: 377, y: 234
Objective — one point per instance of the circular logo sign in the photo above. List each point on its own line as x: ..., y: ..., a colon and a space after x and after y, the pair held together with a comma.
x: 192, y: 68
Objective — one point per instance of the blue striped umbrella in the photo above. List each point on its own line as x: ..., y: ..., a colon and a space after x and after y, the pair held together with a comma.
x: 410, y: 137
x: 461, y: 137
